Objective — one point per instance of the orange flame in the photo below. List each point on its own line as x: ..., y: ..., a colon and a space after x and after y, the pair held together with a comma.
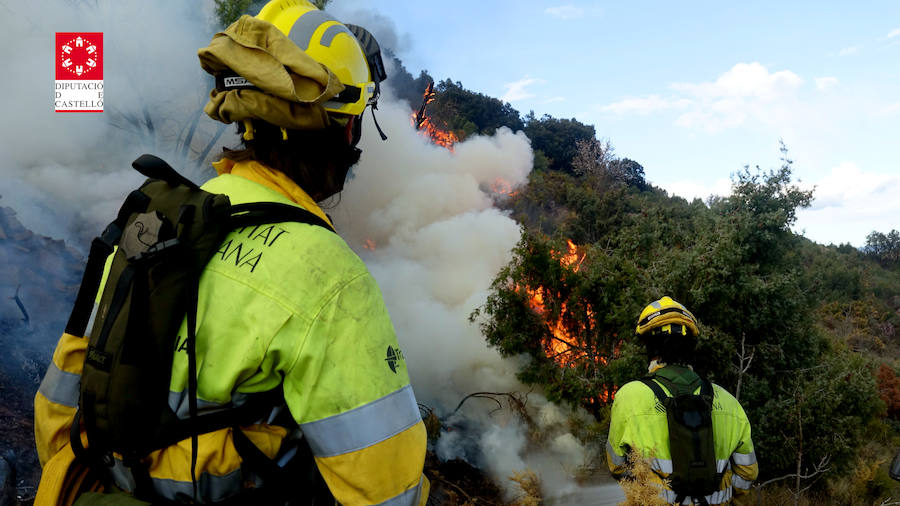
x: 421, y: 122
x: 369, y: 245
x: 565, y: 347
x: 437, y: 136
x: 571, y: 258
x: 502, y: 187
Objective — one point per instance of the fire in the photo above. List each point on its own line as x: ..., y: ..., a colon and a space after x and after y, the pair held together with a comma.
x: 565, y: 346
x: 438, y: 136
x: 419, y: 120
x: 502, y: 187
x: 369, y: 244
x: 571, y: 257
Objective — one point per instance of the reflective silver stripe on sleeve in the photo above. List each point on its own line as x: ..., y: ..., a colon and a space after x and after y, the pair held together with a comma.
x: 363, y: 426
x: 744, y: 459
x: 617, y: 460
x: 740, y: 483
x: 90, y: 323
x: 668, y: 495
x: 721, y: 464
x: 720, y: 497
x: 61, y: 387
x: 408, y: 498
x: 662, y: 465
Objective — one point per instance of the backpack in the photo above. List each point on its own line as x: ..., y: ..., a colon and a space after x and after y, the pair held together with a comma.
x: 165, y: 233
x: 691, y: 441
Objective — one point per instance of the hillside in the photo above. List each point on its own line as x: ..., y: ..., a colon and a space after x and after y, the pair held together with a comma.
x: 804, y: 334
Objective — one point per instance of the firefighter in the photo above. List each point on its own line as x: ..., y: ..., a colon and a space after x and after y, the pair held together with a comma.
x: 286, y: 306
x: 639, y: 421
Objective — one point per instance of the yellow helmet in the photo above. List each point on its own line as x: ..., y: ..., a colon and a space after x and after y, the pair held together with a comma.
x: 665, y: 312
x: 349, y: 51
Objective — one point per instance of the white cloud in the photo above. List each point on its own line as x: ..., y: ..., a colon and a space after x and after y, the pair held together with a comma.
x: 849, y: 203
x: 565, y: 12
x: 746, y: 91
x: 516, y: 90
x: 891, y: 110
x: 894, y: 33
x: 744, y: 80
x: 645, y: 105
x: 848, y: 51
x: 824, y: 83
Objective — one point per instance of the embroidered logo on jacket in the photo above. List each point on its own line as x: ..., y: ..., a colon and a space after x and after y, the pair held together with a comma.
x: 394, y: 357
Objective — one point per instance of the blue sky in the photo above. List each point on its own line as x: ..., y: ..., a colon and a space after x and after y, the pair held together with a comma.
x: 693, y: 91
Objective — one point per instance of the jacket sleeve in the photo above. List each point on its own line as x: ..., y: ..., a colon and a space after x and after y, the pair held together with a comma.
x: 57, y: 398
x: 743, y: 460
x: 349, y: 390
x: 616, y: 446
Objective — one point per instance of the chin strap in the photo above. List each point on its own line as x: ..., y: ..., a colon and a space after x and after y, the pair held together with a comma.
x: 380, y: 131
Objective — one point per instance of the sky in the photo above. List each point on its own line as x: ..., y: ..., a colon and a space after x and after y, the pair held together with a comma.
x: 693, y: 91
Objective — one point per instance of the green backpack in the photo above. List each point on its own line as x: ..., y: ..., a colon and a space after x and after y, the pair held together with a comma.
x: 691, y: 441
x: 165, y: 233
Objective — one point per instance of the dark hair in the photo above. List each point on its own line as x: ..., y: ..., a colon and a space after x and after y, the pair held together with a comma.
x: 670, y: 348
x: 317, y: 160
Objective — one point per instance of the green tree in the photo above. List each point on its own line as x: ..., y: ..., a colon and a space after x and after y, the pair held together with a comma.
x: 228, y: 11
x: 885, y: 248
x: 467, y: 113
x: 557, y: 138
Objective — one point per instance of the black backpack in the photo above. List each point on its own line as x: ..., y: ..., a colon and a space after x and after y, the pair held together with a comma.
x: 165, y: 233
x: 691, y: 441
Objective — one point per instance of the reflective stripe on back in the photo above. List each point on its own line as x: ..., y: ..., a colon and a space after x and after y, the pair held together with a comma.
x: 363, y: 426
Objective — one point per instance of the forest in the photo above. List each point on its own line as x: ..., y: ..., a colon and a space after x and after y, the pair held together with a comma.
x: 803, y: 334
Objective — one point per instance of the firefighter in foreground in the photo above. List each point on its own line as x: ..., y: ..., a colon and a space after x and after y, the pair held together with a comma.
x: 288, y: 306
x: 694, y: 434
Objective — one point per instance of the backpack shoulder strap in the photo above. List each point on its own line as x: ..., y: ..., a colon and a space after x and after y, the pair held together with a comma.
x: 654, y: 386
x: 257, y: 213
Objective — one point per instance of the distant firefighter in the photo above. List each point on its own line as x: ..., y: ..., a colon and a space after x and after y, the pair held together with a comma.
x: 693, y: 433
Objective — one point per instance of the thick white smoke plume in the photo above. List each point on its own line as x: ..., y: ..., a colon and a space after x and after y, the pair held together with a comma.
x: 66, y: 173
x: 436, y: 240
x: 424, y: 221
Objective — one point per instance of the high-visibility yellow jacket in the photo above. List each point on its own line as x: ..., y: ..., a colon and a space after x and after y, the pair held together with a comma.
x: 286, y: 304
x: 639, y: 423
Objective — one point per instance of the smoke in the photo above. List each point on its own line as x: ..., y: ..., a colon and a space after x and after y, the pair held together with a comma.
x: 424, y: 221
x: 67, y: 173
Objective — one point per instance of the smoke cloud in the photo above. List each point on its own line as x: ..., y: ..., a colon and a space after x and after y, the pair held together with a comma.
x: 67, y: 173
x: 424, y: 221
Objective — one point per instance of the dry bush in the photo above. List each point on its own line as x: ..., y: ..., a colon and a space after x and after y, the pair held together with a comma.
x: 644, y: 487
x: 530, y: 484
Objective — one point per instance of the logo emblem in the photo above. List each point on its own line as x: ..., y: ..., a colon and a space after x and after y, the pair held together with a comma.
x: 79, y: 72
x: 394, y: 357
